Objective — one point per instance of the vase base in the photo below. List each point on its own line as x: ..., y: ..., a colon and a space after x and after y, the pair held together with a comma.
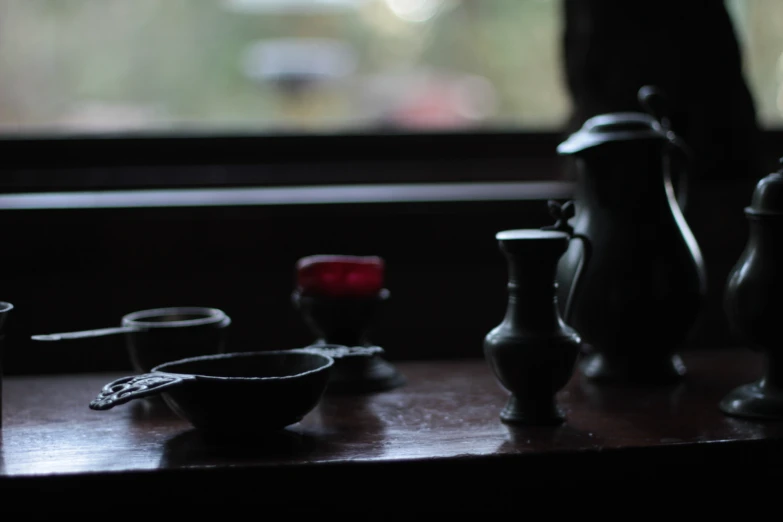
x: 663, y: 370
x: 754, y: 401
x: 519, y: 413
x: 363, y: 375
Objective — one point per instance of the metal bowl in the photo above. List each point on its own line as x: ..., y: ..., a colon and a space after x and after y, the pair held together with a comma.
x: 236, y: 392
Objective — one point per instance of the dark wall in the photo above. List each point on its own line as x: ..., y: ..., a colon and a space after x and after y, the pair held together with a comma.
x: 79, y: 269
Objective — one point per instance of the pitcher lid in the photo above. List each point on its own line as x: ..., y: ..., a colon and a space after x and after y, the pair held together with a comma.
x: 530, y: 234
x: 618, y: 126
x: 768, y: 196
x: 534, y: 242
x: 624, y: 126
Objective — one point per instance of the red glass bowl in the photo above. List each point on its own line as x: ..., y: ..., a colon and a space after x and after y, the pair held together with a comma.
x: 340, y: 276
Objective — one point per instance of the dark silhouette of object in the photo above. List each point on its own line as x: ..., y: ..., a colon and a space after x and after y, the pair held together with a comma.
x: 687, y: 49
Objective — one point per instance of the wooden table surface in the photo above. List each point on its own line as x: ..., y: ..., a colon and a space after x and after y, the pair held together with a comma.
x: 439, y: 431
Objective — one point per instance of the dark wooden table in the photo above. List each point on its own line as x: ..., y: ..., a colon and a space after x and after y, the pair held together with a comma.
x: 437, y: 438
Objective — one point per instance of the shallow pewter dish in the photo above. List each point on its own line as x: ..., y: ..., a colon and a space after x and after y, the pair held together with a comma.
x: 236, y: 392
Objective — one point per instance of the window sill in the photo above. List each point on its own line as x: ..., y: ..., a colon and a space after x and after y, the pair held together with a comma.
x: 276, y: 196
x: 434, y: 432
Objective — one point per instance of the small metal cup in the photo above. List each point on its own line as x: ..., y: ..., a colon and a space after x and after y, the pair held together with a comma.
x: 161, y: 335
x: 170, y: 334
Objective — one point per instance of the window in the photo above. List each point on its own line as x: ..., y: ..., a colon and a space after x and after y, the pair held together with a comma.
x: 759, y: 27
x: 279, y: 66
x: 283, y: 69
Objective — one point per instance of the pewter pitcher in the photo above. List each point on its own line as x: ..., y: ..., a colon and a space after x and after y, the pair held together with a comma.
x: 645, y: 285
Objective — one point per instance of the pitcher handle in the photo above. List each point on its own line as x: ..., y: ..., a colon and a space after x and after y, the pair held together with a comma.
x: 562, y: 213
x: 126, y: 389
x: 685, y: 155
x: 655, y: 103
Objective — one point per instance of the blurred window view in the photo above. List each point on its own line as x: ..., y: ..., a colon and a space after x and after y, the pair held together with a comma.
x: 759, y: 27
x: 316, y: 66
